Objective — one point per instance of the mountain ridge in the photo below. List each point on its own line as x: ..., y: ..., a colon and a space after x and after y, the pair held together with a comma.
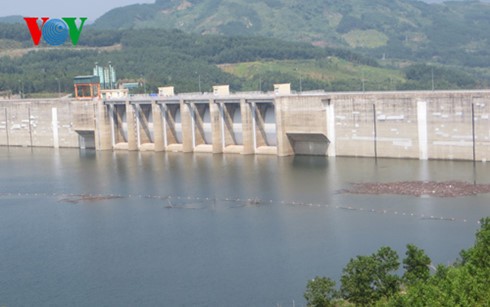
x: 402, y: 29
x: 11, y: 19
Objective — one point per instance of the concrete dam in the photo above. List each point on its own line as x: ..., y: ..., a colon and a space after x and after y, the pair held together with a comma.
x: 418, y: 125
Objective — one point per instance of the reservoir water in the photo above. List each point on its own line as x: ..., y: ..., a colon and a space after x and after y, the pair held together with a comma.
x: 209, y: 230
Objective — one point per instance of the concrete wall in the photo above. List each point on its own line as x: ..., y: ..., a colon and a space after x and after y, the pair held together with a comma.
x: 103, y: 135
x: 44, y: 123
x: 249, y: 146
x: 421, y: 125
x: 371, y: 125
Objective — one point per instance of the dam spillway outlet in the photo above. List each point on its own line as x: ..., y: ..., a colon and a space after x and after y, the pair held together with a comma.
x: 207, y: 132
x: 200, y: 126
x: 310, y: 144
x: 265, y: 124
x: 86, y: 139
x: 237, y: 126
x: 231, y: 124
x: 119, y: 124
x: 171, y: 124
x: 144, y: 124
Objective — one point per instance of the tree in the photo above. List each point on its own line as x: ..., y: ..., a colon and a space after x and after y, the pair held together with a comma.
x: 357, y: 281
x: 479, y: 254
x: 320, y: 292
x: 387, y: 283
x: 450, y: 286
x: 416, y: 265
x: 464, y: 284
x: 370, y: 280
x: 367, y: 279
x: 477, y: 258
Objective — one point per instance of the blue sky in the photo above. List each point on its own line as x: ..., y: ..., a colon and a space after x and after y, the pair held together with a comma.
x: 63, y: 8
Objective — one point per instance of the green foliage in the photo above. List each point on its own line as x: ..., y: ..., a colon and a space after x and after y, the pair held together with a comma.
x: 172, y: 57
x: 219, y: 49
x: 367, y: 279
x: 479, y: 255
x: 16, y: 31
x: 99, y: 38
x: 127, y: 17
x: 320, y: 292
x: 422, y: 76
x: 455, y: 286
x: 357, y: 281
x: 159, y: 57
x: 330, y: 74
x: 37, y: 71
x: 416, y: 265
x: 453, y: 32
x: 387, y: 283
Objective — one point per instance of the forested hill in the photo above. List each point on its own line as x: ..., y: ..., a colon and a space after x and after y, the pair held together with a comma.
x: 172, y: 57
x: 11, y: 19
x: 453, y: 32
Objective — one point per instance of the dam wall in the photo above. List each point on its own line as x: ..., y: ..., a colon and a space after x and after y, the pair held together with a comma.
x: 46, y: 123
x: 453, y: 125
x: 421, y: 125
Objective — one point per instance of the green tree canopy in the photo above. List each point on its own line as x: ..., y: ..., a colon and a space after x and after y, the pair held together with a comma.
x: 416, y: 265
x: 367, y: 279
x: 320, y: 292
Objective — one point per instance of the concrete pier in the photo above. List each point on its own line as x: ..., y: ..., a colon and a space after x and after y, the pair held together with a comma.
x: 419, y: 125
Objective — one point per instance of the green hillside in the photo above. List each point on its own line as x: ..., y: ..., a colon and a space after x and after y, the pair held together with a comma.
x: 171, y: 57
x: 330, y: 73
x: 455, y: 33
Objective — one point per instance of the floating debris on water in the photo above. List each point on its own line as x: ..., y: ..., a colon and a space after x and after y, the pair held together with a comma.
x: 75, y: 199
x: 422, y: 189
x: 253, y: 201
x: 186, y: 202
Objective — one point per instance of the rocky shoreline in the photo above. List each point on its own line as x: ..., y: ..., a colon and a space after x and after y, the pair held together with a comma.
x: 420, y: 188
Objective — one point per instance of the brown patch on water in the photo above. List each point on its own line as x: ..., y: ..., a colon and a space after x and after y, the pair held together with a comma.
x: 420, y: 188
x: 75, y: 199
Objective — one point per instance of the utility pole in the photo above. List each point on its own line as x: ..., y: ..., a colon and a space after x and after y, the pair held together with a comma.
x: 432, y: 75
x: 59, y: 87
x: 144, y: 83
x: 200, y: 84
x: 300, y: 80
x: 300, y: 83
x: 363, y: 82
x: 21, y: 89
